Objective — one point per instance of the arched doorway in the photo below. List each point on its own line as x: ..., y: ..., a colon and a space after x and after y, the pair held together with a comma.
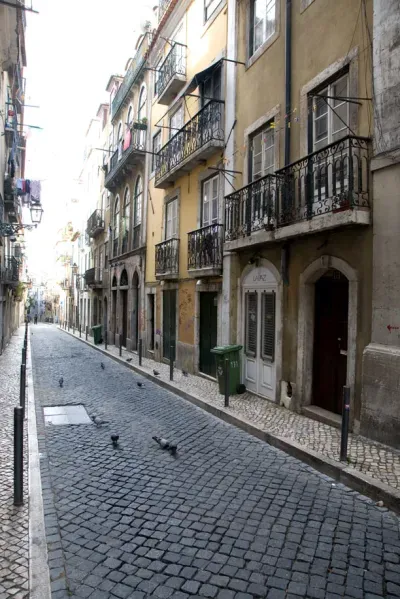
x: 123, y: 284
x: 135, y: 311
x: 331, y: 302
x: 260, y: 317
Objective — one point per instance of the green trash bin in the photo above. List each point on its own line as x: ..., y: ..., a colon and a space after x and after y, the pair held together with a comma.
x: 97, y: 337
x: 232, y: 352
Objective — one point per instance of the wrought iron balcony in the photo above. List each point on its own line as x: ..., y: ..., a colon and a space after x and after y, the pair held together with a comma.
x: 172, y: 75
x: 96, y: 277
x: 192, y: 144
x: 9, y: 273
x: 163, y: 6
x: 167, y: 259
x: 251, y: 208
x: 129, y: 153
x: 205, y: 251
x: 95, y: 223
x: 131, y: 76
x: 323, y: 190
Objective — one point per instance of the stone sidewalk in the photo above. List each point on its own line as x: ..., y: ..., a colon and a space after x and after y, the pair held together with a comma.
x: 14, y: 568
x: 367, y: 457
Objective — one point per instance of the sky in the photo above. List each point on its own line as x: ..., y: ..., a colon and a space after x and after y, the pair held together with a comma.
x: 73, y: 47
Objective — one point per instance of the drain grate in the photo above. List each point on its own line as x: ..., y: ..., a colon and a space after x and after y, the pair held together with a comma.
x: 63, y: 415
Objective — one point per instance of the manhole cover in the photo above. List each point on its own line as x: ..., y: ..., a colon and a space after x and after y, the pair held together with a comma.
x: 62, y: 415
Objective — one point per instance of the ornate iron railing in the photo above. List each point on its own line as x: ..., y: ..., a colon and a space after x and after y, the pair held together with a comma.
x: 205, y: 247
x: 174, y: 64
x: 333, y: 179
x: 330, y: 180
x: 162, y: 8
x: 135, y: 142
x: 136, y: 237
x: 9, y: 273
x: 251, y: 208
x: 90, y: 276
x: 133, y: 72
x: 95, y: 223
x: 167, y: 257
x: 207, y: 125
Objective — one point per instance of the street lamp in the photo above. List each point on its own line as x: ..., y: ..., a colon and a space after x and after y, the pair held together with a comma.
x: 36, y: 214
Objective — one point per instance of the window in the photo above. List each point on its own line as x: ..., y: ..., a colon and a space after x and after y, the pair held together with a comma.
x: 137, y: 217
x: 171, y: 219
x: 176, y: 121
x: 116, y: 227
x: 211, y: 87
x: 157, y: 74
x: 330, y: 114
x: 130, y: 116
x: 262, y: 153
x: 119, y: 141
x: 108, y: 199
x: 210, y: 202
x: 106, y: 255
x: 142, y: 103
x: 155, y: 150
x: 262, y: 23
x: 210, y: 7
x: 125, y: 220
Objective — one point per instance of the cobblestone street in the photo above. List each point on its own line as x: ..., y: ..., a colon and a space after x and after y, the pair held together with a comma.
x: 227, y: 517
x: 13, y: 520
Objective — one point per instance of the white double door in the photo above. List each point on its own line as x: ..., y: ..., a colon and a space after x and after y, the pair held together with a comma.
x: 259, y: 320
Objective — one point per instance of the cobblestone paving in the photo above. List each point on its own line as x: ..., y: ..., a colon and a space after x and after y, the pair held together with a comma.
x: 13, y: 520
x: 375, y: 459
x: 229, y: 517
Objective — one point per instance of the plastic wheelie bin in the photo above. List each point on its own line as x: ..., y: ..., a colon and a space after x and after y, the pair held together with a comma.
x: 232, y: 352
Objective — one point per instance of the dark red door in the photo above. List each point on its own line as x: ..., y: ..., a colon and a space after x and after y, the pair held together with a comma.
x: 330, y: 340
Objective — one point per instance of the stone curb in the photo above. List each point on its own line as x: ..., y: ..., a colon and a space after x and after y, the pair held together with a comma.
x: 39, y: 576
x: 349, y: 476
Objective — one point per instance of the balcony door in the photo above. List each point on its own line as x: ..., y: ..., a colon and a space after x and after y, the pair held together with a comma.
x: 259, y: 209
x: 260, y: 307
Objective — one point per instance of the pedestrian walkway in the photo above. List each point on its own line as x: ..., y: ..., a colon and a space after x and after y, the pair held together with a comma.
x: 13, y: 520
x: 374, y: 459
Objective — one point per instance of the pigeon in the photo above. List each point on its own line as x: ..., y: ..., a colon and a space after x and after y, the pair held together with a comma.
x: 185, y: 373
x: 98, y: 421
x: 129, y: 359
x: 102, y: 365
x: 61, y: 381
x: 114, y: 439
x: 139, y: 384
x: 164, y: 444
x: 156, y: 373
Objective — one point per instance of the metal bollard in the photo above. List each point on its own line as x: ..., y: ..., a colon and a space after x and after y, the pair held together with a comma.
x: 105, y: 340
x: 120, y: 345
x: 171, y: 362
x: 22, y: 379
x: 80, y: 331
x: 18, y: 456
x: 86, y: 332
x: 140, y: 349
x: 345, y: 424
x: 226, y: 376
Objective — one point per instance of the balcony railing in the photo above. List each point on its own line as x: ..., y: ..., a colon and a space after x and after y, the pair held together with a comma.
x: 332, y: 180
x: 132, y: 74
x: 126, y: 154
x: 95, y: 277
x: 172, y: 74
x: 167, y: 258
x: 9, y: 273
x: 205, y: 248
x: 95, y: 223
x: 162, y: 8
x: 193, y: 143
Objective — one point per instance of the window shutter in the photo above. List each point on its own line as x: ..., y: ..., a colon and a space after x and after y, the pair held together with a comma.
x: 251, y: 323
x: 268, y: 326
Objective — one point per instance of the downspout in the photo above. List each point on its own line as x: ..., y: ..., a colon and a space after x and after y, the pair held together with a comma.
x: 288, y: 78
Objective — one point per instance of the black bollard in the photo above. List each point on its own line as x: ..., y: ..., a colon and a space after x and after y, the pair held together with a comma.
x: 120, y: 345
x: 105, y: 340
x: 226, y: 376
x: 22, y: 378
x: 345, y: 424
x: 18, y: 455
x: 171, y: 362
x: 140, y: 352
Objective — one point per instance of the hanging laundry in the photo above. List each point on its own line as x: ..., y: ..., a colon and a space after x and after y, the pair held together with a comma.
x: 28, y: 186
x: 35, y: 190
x: 127, y: 139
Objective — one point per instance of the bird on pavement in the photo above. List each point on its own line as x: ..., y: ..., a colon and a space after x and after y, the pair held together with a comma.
x: 164, y: 444
x: 61, y: 381
x: 129, y: 359
x: 156, y: 373
x: 114, y: 439
x: 185, y: 373
x: 102, y: 365
x: 139, y: 384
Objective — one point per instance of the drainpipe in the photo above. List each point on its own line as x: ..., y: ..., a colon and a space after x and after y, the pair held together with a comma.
x: 288, y: 77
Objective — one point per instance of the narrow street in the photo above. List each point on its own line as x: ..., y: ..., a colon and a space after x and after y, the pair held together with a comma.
x: 228, y: 517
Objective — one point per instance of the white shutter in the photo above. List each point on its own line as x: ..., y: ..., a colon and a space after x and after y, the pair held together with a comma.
x: 251, y: 323
x: 268, y: 326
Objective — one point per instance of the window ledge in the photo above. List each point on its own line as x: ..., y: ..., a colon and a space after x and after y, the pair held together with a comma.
x: 250, y: 61
x: 215, y: 14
